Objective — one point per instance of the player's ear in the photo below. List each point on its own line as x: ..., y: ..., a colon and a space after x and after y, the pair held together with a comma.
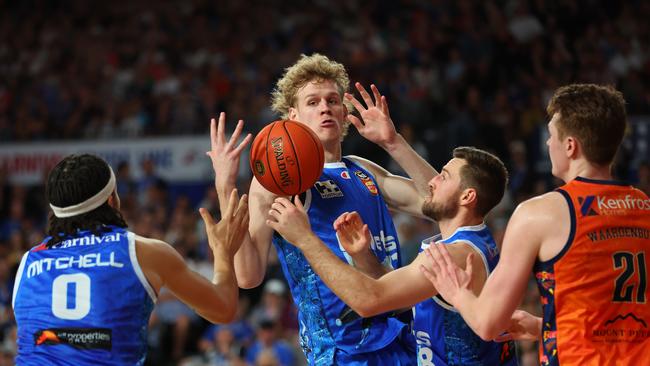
x: 468, y: 196
x: 571, y: 146
x: 293, y: 112
x: 114, y: 200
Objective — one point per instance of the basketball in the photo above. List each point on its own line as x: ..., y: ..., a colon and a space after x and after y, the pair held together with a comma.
x: 287, y: 157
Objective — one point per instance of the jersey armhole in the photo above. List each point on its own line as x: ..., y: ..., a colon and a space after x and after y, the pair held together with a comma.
x: 138, y: 270
x: 19, y: 276
x: 572, y: 232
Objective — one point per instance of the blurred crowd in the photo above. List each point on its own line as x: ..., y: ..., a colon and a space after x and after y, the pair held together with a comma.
x: 455, y: 72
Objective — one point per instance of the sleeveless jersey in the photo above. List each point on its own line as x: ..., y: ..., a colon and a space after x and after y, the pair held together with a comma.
x: 594, y: 292
x: 326, y: 322
x: 443, y: 337
x: 85, y: 301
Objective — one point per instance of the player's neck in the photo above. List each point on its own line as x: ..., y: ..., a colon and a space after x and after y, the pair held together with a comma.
x: 585, y: 169
x: 449, y: 226
x: 332, y: 152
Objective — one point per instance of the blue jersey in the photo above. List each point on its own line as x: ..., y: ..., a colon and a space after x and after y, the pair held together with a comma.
x: 326, y: 322
x: 443, y: 337
x: 85, y: 301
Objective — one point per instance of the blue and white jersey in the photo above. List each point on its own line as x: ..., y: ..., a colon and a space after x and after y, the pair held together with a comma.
x: 326, y: 322
x: 85, y: 301
x: 443, y: 338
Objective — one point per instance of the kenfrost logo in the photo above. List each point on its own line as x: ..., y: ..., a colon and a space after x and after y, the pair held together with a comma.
x: 585, y: 206
x: 611, y: 205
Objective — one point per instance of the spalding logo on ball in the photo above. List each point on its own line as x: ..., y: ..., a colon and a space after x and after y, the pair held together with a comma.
x: 287, y: 157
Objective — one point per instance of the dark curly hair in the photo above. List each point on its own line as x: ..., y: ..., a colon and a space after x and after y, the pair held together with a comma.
x: 73, y: 180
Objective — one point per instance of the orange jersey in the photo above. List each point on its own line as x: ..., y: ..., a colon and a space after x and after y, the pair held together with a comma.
x: 595, y: 291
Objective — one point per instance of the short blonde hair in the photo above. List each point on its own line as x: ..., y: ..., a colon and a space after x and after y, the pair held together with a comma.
x: 317, y: 68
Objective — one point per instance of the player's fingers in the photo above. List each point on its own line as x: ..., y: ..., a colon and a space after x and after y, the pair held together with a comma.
x: 242, y: 207
x: 232, y: 204
x: 431, y: 276
x: 213, y: 134
x: 278, y: 207
x: 272, y: 224
x: 355, y: 102
x: 376, y: 95
x: 384, y: 105
x: 243, y: 143
x: 236, y: 132
x: 207, y: 218
x: 275, y: 214
x: 434, y: 265
x: 364, y: 94
x: 298, y: 203
x: 282, y: 201
x: 354, y: 218
x: 339, y: 221
x: 445, y: 255
x: 356, y: 122
x: 366, y: 232
x: 344, y: 236
x: 221, y: 126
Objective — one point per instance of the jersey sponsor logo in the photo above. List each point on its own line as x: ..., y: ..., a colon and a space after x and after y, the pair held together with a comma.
x: 367, y: 182
x: 89, y: 240
x: 386, y: 244
x: 82, y: 261
x: 622, y: 328
x: 425, y: 353
x: 328, y: 189
x: 345, y: 174
x: 598, y: 205
x: 80, y: 338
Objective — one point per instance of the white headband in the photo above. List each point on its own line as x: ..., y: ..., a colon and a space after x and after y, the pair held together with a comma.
x: 89, y: 204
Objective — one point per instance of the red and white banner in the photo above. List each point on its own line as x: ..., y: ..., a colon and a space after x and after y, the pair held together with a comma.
x: 180, y: 159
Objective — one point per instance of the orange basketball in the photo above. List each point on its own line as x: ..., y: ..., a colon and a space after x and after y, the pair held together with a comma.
x: 287, y: 157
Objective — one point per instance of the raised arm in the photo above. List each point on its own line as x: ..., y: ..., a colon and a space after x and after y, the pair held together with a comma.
x: 490, y: 313
x: 216, y: 301
x: 377, y: 126
x: 251, y: 259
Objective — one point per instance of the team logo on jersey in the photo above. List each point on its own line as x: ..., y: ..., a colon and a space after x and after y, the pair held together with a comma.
x: 328, y: 189
x: 585, y: 206
x: 628, y: 328
x: 367, y: 182
x: 81, y: 338
x: 612, y: 206
x: 345, y: 174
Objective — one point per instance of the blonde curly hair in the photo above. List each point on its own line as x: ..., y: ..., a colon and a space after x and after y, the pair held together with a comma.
x: 317, y: 68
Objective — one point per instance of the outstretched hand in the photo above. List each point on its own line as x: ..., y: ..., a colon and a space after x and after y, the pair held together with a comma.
x: 225, y: 155
x: 289, y: 219
x: 377, y: 126
x: 353, y: 234
x: 228, y: 234
x: 448, y: 279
